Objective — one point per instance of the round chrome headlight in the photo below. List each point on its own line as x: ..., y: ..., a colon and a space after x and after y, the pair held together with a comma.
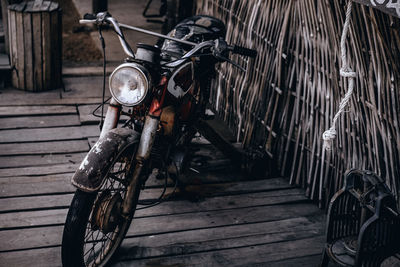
x: 129, y: 84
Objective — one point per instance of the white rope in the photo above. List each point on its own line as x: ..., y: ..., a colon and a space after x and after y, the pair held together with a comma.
x: 345, y: 72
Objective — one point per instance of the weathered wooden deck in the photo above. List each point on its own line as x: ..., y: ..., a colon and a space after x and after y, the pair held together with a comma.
x: 44, y: 136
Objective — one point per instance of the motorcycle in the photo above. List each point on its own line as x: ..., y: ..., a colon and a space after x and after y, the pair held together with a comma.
x: 165, y: 91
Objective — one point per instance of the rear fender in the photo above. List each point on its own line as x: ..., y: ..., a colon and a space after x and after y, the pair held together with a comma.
x: 93, y: 169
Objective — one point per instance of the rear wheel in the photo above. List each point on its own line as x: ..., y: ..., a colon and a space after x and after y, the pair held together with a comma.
x: 95, y: 227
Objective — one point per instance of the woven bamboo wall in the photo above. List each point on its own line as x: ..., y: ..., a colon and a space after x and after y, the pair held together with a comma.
x: 291, y: 91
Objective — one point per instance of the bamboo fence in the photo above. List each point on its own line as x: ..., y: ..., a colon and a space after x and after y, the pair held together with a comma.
x: 291, y: 91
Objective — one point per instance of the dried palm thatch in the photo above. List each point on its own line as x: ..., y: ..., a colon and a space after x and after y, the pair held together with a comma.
x: 292, y: 89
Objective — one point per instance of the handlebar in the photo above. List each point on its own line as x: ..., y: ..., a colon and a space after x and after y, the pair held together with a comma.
x: 219, y: 50
x: 244, y: 51
x: 219, y: 46
x: 105, y: 17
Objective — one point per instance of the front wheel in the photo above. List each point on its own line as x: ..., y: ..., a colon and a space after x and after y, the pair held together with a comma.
x: 95, y: 227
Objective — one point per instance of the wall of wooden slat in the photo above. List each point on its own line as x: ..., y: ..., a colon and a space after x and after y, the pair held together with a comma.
x: 291, y: 91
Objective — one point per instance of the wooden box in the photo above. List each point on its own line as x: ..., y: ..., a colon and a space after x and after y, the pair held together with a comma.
x: 35, y: 36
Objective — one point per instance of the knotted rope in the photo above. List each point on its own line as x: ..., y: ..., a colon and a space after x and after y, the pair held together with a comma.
x: 345, y: 72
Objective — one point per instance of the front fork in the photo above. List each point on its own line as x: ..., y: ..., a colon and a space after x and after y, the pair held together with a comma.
x: 142, y: 155
x: 112, y: 117
x: 143, y: 152
x: 148, y: 134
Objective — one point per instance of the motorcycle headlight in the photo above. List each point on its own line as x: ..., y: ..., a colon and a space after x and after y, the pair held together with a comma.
x: 129, y: 84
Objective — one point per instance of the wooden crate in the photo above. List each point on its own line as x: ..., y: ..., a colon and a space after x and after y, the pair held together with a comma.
x: 35, y: 45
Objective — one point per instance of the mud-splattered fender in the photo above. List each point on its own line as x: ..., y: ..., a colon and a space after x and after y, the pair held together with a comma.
x: 90, y: 174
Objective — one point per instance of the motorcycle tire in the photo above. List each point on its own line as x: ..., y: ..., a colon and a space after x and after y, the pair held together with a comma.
x: 90, y: 236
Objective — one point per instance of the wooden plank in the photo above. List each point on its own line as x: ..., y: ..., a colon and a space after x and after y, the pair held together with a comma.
x: 37, y: 171
x: 28, y: 50
x: 84, y: 87
x: 46, y: 50
x: 48, y: 134
x: 58, y: 201
x: 37, y: 51
x: 56, y: 54
x: 39, y: 121
x: 92, y: 141
x: 22, y: 186
x: 5, y: 30
x: 40, y: 160
x: 86, y: 116
x: 307, y: 260
x: 20, y: 63
x: 59, y: 59
x: 11, y: 111
x: 214, y: 176
x: 11, y: 93
x: 43, y: 202
x: 90, y: 131
x: 389, y: 7
x: 87, y: 71
x: 13, y: 43
x: 52, y: 255
x: 60, y: 183
x: 218, y: 218
x: 260, y: 255
x: 212, y: 203
x: 61, y: 101
x: 50, y: 235
x: 19, y: 219
x: 239, y: 187
x: 11, y: 97
x: 217, y: 175
x: 41, y: 148
x: 48, y: 257
x: 228, y: 237
x: 31, y: 218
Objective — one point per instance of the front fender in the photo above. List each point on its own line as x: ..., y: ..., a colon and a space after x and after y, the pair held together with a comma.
x: 93, y: 169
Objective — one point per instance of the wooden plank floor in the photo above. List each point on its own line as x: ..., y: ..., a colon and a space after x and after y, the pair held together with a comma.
x: 226, y: 221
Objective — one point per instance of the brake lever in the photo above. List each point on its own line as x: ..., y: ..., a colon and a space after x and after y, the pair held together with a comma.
x: 101, y: 18
x: 231, y: 62
x: 220, y: 49
x: 98, y: 19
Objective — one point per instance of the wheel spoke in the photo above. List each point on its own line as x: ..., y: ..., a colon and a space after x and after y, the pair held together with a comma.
x: 116, y: 178
x: 98, y: 244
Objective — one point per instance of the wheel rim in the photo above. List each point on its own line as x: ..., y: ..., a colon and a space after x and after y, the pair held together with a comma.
x: 99, y: 245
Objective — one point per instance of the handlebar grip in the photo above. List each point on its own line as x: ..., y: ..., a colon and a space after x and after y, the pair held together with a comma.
x: 88, y: 16
x: 87, y: 21
x: 244, y: 51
